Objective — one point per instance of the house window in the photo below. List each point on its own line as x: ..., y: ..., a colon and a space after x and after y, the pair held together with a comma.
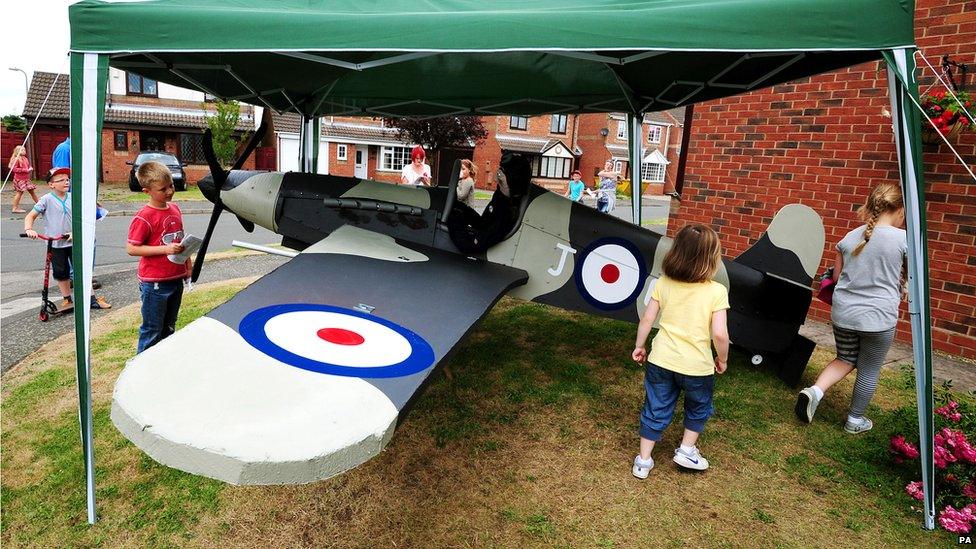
x: 392, y: 159
x: 342, y: 152
x: 654, y: 134
x: 139, y: 85
x: 552, y: 167
x: 191, y: 148
x: 618, y: 166
x: 121, y: 141
x: 621, y: 129
x: 518, y: 122
x: 652, y: 172
x: 558, y: 123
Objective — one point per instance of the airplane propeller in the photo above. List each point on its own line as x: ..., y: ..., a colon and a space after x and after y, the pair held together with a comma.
x: 218, y: 176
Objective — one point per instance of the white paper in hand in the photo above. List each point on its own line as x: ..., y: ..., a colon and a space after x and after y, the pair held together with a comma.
x: 190, y: 244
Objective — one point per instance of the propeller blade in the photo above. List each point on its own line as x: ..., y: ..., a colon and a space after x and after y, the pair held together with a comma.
x: 251, y: 145
x: 248, y: 225
x: 202, y: 252
x: 219, y: 176
x: 216, y: 170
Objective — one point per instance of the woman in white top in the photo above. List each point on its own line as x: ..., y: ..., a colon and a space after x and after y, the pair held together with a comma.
x: 417, y: 172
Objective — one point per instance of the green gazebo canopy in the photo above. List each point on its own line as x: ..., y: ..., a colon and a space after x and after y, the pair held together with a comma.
x: 405, y: 58
x: 442, y: 57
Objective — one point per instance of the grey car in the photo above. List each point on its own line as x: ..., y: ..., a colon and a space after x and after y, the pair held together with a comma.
x: 171, y: 162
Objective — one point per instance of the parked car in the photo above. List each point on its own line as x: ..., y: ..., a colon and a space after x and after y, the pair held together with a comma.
x: 174, y: 165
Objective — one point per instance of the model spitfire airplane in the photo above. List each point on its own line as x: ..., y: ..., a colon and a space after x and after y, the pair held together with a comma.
x: 307, y: 372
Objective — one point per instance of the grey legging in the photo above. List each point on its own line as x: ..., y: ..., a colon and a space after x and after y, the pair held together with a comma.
x: 865, y: 351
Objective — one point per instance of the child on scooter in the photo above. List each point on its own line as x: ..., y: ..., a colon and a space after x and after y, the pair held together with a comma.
x: 55, y: 206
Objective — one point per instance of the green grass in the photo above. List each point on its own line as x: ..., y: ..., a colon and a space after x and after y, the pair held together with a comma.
x: 119, y: 192
x: 528, y: 444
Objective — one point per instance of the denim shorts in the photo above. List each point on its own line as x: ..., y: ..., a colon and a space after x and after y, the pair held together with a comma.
x: 661, y: 388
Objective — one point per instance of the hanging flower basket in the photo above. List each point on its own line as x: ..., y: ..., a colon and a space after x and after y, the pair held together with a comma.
x: 948, y: 116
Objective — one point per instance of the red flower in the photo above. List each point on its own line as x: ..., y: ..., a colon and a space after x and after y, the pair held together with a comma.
x: 969, y: 490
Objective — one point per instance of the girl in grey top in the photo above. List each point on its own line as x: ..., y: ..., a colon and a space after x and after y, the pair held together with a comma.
x: 465, y: 186
x: 870, y: 274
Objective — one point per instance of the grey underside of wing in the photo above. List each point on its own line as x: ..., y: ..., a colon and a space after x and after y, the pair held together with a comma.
x: 440, y: 298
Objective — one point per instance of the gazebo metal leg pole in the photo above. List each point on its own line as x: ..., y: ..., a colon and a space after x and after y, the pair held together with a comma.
x: 907, y: 131
x: 89, y: 75
x: 635, y: 124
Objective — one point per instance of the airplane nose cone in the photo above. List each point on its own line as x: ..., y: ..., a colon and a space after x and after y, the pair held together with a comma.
x: 208, y: 188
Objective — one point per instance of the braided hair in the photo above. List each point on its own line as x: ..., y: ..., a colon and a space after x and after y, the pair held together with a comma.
x: 884, y: 198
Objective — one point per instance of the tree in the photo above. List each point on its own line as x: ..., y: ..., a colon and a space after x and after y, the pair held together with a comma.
x: 14, y: 123
x: 222, y: 123
x: 436, y: 133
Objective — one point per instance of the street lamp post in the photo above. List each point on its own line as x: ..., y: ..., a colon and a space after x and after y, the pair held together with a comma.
x: 26, y: 84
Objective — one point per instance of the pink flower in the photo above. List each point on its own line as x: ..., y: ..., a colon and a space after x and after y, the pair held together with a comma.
x: 902, y: 449
x: 969, y: 490
x: 959, y: 522
x: 914, y: 490
x: 954, y: 444
x: 948, y: 410
x: 943, y: 457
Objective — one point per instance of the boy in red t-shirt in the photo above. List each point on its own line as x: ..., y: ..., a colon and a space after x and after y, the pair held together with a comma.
x: 155, y: 232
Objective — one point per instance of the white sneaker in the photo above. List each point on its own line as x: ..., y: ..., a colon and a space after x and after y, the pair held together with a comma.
x: 694, y: 460
x: 855, y: 427
x: 641, y: 467
x: 806, y: 404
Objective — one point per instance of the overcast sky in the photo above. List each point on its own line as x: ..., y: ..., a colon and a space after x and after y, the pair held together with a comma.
x: 34, y: 38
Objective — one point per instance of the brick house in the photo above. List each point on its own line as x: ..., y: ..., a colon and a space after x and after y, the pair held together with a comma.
x: 604, y: 137
x: 140, y: 114
x: 350, y: 147
x: 825, y: 142
x: 556, y: 145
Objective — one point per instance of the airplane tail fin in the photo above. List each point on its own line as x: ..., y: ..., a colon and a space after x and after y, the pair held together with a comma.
x: 791, y: 248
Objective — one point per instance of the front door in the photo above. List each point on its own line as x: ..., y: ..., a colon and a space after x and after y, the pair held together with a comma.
x: 46, y: 140
x: 361, y: 157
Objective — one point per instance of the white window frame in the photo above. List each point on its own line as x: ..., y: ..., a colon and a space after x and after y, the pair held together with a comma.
x: 653, y: 172
x: 621, y: 129
x: 654, y: 133
x: 518, y: 123
x: 388, y: 161
x: 342, y: 151
x: 559, y: 121
x: 553, y: 167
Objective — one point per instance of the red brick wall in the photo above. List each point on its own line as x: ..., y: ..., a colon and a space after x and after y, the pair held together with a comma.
x: 825, y: 142
x: 115, y: 169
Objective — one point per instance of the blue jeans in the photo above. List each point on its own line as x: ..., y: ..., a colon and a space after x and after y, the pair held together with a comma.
x: 661, y: 387
x: 160, y: 305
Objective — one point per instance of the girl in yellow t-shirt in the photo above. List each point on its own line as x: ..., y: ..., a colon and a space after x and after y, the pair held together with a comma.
x: 692, y: 308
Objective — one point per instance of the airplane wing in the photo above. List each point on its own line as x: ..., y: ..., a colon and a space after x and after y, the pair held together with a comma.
x: 306, y: 372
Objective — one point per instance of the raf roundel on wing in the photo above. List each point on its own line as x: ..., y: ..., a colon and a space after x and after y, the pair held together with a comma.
x: 335, y: 340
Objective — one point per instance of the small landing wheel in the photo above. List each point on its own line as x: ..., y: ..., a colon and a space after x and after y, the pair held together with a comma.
x: 757, y: 360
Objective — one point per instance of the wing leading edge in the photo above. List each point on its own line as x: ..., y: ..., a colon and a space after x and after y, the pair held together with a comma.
x: 306, y: 373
